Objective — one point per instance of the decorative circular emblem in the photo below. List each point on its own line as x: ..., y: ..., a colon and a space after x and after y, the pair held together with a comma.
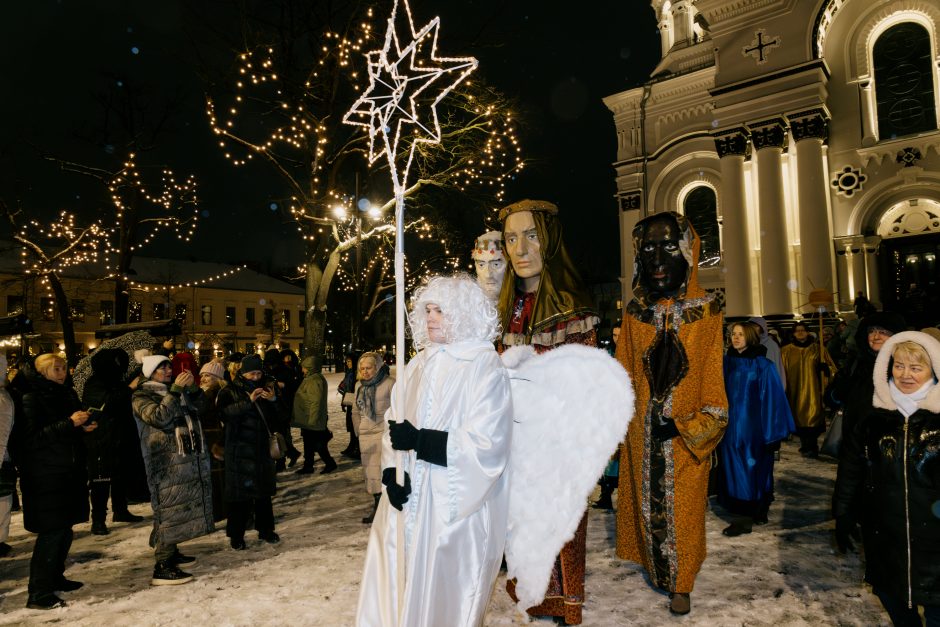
x: 848, y: 181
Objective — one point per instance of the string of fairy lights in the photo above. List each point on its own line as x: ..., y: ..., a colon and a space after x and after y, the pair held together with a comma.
x: 174, y: 205
x: 298, y: 131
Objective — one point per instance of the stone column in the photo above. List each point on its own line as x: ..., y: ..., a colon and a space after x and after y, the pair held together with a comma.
x: 872, y: 245
x: 631, y: 209
x: 682, y: 22
x: 810, y: 130
x: 842, y: 272
x: 769, y: 139
x: 867, y: 97
x: 733, y: 146
x: 857, y: 259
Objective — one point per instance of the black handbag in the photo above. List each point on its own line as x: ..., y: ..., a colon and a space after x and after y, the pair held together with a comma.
x: 277, y: 445
x: 833, y: 440
x: 7, y: 478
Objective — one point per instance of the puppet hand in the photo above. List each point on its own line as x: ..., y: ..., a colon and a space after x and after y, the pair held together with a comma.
x: 666, y: 430
x: 404, y: 435
x: 397, y: 494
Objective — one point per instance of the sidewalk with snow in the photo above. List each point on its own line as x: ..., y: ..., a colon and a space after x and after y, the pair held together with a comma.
x: 785, y: 573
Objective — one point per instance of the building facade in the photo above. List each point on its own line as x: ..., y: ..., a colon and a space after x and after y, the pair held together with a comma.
x: 221, y: 308
x: 800, y: 137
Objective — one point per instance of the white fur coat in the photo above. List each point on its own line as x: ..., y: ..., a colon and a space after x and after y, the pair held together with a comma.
x: 571, y: 406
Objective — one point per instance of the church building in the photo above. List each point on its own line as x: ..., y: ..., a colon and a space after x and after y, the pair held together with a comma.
x: 800, y: 138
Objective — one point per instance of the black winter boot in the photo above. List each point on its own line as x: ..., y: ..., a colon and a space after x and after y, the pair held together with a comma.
x: 368, y: 519
x: 607, y: 491
x: 167, y: 573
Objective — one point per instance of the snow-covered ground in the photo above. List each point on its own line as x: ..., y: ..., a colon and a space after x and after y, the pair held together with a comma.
x: 785, y: 573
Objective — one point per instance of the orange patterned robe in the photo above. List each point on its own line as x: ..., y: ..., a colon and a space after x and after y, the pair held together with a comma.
x: 663, y: 485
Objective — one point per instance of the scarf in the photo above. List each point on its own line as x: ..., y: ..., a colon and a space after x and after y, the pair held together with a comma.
x: 749, y: 353
x: 908, y: 403
x: 365, y: 395
x: 187, y: 442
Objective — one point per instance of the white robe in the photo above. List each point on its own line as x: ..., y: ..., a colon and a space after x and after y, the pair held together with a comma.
x: 456, y: 516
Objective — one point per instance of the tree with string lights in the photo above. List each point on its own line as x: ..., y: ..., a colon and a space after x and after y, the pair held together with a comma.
x: 145, y: 202
x: 298, y: 69
x: 51, y: 249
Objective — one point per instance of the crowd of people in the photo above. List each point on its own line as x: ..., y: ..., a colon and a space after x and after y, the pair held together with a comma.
x: 211, y: 439
x: 193, y: 440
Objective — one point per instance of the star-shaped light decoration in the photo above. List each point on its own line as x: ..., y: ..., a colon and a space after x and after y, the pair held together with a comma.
x: 405, y: 69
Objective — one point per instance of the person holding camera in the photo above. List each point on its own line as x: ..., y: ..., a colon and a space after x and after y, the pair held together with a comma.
x: 248, y: 410
x: 177, y: 462
x: 51, y: 458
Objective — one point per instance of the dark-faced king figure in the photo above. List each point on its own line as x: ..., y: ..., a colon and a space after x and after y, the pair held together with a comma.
x: 543, y: 303
x: 671, y: 343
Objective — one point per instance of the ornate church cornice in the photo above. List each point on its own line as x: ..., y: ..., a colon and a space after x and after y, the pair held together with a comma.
x: 769, y: 134
x: 901, y: 150
x: 724, y: 15
x: 733, y: 141
x: 812, y: 124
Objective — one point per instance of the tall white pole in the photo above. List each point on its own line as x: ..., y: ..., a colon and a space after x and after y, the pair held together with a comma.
x: 400, y: 379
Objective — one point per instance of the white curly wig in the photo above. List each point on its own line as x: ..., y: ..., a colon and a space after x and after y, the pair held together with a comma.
x: 468, y: 313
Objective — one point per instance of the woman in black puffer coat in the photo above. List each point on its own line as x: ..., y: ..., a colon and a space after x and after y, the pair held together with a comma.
x: 107, y: 390
x: 248, y: 411
x: 889, y: 472
x: 51, y: 458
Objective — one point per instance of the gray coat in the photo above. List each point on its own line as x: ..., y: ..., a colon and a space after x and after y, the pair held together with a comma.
x: 180, y: 487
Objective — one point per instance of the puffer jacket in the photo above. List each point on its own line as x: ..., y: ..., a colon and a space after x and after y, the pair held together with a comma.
x: 892, y: 466
x: 51, y: 458
x: 249, y: 469
x: 310, y: 403
x: 177, y: 461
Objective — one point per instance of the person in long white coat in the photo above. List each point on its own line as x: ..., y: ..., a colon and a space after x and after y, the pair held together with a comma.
x: 454, y: 442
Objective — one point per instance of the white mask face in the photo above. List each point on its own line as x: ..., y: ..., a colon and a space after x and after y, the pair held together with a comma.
x: 490, y: 275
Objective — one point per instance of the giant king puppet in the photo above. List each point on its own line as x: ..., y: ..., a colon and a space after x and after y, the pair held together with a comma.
x: 671, y: 344
x: 543, y: 303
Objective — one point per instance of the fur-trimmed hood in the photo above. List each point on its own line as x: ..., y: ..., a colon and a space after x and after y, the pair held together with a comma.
x: 882, y: 398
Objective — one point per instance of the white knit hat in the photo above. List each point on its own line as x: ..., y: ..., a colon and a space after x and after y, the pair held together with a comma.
x: 151, y: 362
x: 214, y: 368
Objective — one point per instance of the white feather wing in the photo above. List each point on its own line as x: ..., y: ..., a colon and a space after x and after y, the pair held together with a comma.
x: 571, y: 407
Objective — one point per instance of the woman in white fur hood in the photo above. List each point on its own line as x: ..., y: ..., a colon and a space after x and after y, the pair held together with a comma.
x: 889, y: 480
x: 454, y: 442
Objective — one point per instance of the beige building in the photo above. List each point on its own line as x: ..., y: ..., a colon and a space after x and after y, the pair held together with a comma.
x: 801, y: 138
x: 221, y: 308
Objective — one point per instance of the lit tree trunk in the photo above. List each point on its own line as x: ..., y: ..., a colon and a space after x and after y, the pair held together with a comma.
x: 318, y: 289
x: 65, y: 314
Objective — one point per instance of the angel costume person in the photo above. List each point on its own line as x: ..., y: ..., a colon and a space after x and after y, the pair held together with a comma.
x: 671, y: 343
x: 460, y: 503
x: 543, y: 303
x: 455, y: 435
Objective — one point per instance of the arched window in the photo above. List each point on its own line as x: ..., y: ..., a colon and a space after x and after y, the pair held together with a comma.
x: 904, y: 81
x: 701, y: 208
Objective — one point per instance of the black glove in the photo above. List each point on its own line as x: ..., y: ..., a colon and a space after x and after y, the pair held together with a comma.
x: 404, y: 435
x: 397, y: 494
x: 823, y: 369
x: 665, y: 430
x: 432, y: 446
x: 846, y: 530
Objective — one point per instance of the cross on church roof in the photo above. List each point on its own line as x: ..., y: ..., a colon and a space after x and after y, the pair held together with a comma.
x: 758, y: 46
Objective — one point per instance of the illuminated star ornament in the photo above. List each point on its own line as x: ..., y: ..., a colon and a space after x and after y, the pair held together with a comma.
x: 407, y: 80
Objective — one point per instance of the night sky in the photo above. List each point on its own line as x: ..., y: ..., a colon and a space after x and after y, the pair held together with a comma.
x: 61, y: 57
